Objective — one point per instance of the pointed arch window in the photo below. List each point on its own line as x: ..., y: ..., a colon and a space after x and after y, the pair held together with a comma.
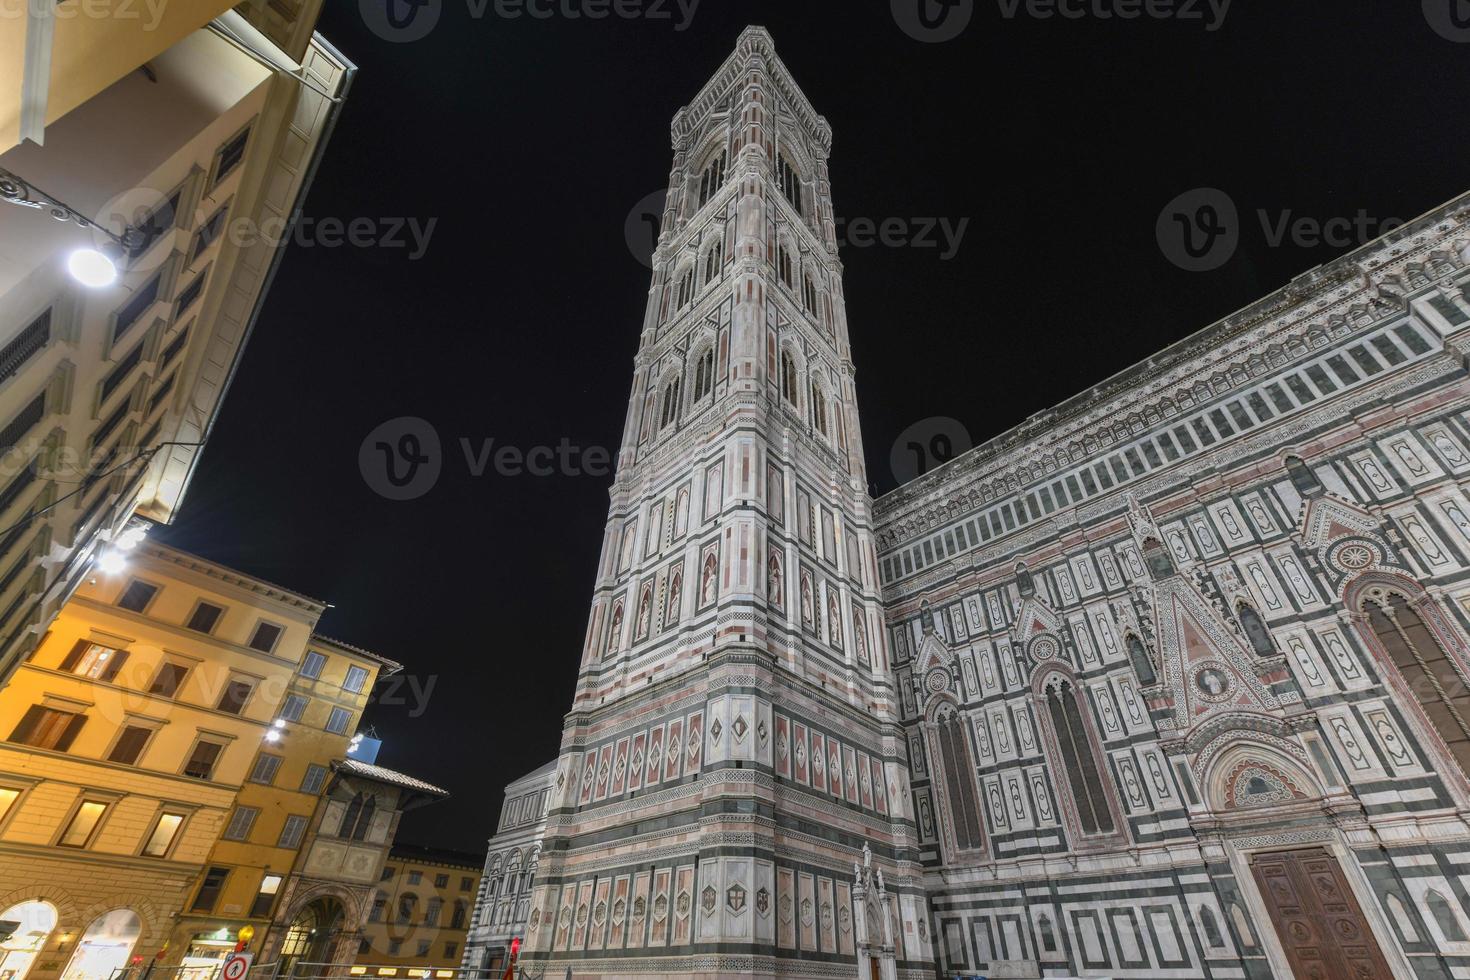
x: 1255, y: 631
x: 961, y: 797
x: 686, y: 289
x: 1080, y: 764
x: 789, y: 181
x: 1445, y: 917
x: 788, y: 377
x: 809, y: 294
x: 713, y: 260
x: 704, y: 374
x: 359, y: 817
x: 1143, y: 664
x: 783, y: 263
x: 1426, y: 668
x: 670, y: 411
x: 1213, y: 937
x: 819, y: 409
x: 713, y: 178
x: 1303, y: 478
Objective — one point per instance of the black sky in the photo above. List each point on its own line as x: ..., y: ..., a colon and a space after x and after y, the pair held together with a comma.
x: 530, y: 141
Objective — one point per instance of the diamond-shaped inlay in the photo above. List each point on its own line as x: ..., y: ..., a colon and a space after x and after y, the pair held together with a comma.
x: 761, y: 731
x: 599, y: 914
x: 714, y: 732
x: 738, y: 728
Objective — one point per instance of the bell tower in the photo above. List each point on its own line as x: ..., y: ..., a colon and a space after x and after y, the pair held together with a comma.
x: 733, y: 743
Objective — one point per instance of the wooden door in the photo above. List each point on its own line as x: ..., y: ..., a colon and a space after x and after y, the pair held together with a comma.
x: 1319, y: 922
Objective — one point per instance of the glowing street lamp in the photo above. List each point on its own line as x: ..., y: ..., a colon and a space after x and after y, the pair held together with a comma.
x: 92, y: 267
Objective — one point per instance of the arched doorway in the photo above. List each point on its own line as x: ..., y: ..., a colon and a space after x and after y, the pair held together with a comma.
x: 105, y: 946
x: 309, y: 938
x: 37, y: 921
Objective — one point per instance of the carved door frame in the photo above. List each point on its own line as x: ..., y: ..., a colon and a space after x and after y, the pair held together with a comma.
x: 1241, y: 852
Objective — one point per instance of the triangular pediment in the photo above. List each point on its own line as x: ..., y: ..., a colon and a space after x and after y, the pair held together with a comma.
x: 1206, y: 666
x: 1327, y: 518
x: 1035, y: 617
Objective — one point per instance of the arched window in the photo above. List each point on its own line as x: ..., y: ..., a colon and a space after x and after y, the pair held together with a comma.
x: 1047, y: 933
x: 819, y: 409
x: 1426, y: 669
x: 713, y: 178
x: 958, y: 766
x: 1302, y: 477
x: 359, y: 817
x: 788, y: 377
x: 1143, y: 665
x: 1445, y: 917
x: 704, y: 374
x: 104, y: 948
x: 789, y: 180
x: 670, y: 412
x: 713, y: 260
x: 783, y: 263
x: 809, y: 294
x: 1081, y: 765
x: 37, y: 922
x: 686, y: 289
x: 1255, y: 631
x: 1211, y: 928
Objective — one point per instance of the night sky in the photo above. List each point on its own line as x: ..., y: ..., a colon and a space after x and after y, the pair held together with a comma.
x: 530, y: 141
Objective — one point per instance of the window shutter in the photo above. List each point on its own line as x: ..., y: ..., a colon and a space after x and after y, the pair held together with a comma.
x: 27, y: 726
x: 72, y: 728
x: 78, y: 648
x: 118, y: 659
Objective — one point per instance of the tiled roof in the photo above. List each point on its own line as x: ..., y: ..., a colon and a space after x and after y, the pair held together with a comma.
x: 392, y: 666
x: 389, y: 776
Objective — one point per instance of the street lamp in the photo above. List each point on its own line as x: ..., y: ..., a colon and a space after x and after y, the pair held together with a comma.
x: 92, y: 267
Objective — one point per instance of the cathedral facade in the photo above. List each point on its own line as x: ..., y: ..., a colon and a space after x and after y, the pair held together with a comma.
x: 1167, y: 682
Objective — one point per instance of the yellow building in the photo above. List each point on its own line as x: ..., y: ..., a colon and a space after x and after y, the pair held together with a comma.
x: 174, y: 749
x: 421, y: 912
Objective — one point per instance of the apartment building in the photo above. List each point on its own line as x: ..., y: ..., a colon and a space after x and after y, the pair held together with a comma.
x: 174, y: 162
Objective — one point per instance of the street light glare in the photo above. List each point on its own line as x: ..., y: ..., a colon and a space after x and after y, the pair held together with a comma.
x: 91, y: 268
x: 111, y: 562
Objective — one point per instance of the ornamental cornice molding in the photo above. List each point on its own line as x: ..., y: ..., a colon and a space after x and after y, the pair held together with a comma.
x: 1352, y: 294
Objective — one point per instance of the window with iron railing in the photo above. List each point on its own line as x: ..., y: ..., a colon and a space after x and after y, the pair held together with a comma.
x: 26, y: 344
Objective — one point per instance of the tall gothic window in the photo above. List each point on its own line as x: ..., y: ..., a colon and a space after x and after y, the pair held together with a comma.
x: 959, y: 782
x: 788, y: 377
x: 819, y: 409
x: 1426, y: 668
x: 1143, y: 665
x: 712, y: 179
x: 704, y: 374
x: 358, y: 818
x: 809, y: 294
x: 713, y: 260
x: 671, y: 404
x: 783, y: 263
x: 1081, y: 765
x: 790, y: 182
x: 1255, y: 631
x: 1302, y: 477
x: 686, y: 289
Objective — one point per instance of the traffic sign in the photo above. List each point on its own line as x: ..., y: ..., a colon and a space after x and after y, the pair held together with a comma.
x: 237, y: 965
